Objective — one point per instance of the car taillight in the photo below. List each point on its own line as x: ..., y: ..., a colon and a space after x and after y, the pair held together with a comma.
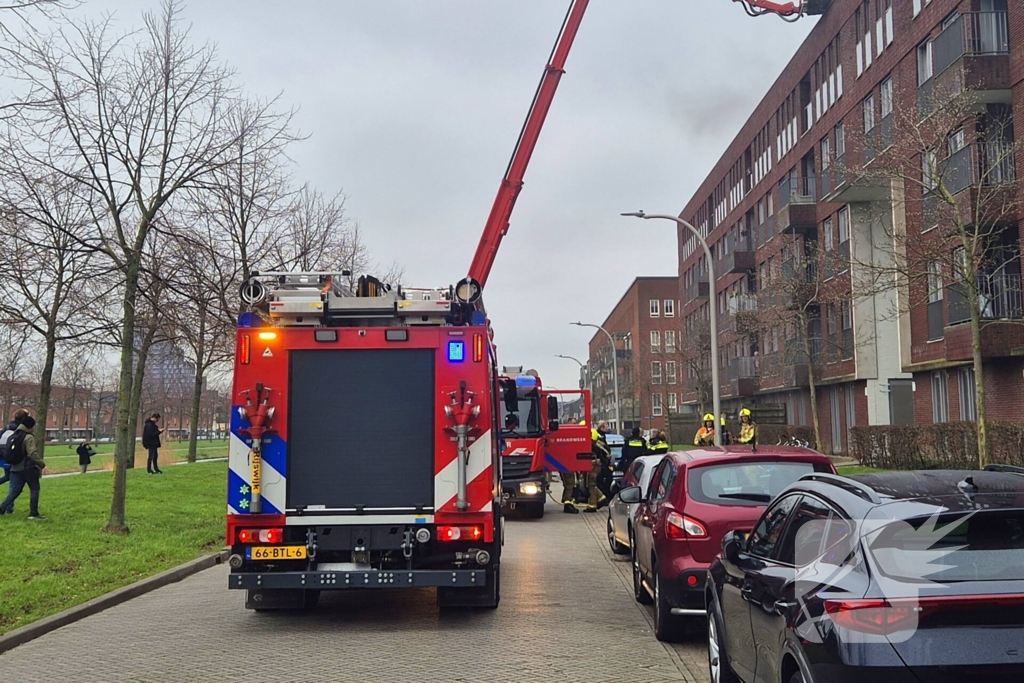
x: 876, y: 617
x: 680, y: 526
x: 459, y: 533
x: 244, y: 349
x: 250, y: 536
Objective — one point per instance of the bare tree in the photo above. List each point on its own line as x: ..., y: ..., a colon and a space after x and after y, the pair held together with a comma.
x: 696, y: 361
x: 137, y: 119
x: 13, y: 341
x: 951, y: 161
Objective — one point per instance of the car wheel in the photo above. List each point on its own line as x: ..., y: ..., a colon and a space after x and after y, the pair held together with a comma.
x: 639, y: 592
x: 797, y: 678
x: 616, y: 547
x: 718, y: 662
x: 668, y: 627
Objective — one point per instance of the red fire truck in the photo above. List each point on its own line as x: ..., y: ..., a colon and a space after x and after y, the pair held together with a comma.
x: 536, y: 441
x: 365, y: 426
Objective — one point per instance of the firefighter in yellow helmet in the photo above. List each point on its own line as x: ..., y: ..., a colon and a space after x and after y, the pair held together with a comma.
x: 706, y: 434
x: 748, y: 428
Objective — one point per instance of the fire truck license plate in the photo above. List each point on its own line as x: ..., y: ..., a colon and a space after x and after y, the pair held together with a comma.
x: 280, y: 552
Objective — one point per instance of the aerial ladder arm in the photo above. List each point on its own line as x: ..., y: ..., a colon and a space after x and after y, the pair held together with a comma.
x: 512, y: 183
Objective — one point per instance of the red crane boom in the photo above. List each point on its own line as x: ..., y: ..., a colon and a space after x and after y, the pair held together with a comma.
x: 512, y: 183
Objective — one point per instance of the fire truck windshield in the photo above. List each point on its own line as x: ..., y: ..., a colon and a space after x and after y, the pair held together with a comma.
x: 526, y: 420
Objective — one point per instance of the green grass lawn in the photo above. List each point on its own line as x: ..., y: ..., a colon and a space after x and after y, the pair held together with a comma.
x: 857, y: 469
x: 59, y: 458
x: 49, y: 565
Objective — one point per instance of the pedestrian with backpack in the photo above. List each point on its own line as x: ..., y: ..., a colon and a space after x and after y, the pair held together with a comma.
x: 5, y: 437
x: 26, y: 468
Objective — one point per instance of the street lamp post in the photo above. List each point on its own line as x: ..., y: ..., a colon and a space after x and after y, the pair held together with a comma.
x: 583, y: 368
x: 615, y: 368
x: 716, y: 393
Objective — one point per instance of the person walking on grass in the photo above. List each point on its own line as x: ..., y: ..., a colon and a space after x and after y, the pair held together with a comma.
x: 26, y: 468
x: 151, y: 441
x: 5, y: 439
x: 85, y: 453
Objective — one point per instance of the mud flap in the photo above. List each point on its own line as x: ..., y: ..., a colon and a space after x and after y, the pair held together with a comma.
x: 486, y: 596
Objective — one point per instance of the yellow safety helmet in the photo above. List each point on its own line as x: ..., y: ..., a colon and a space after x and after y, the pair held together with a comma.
x: 745, y: 412
x: 709, y: 418
x: 583, y: 422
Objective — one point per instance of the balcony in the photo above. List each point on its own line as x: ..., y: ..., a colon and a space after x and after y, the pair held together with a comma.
x: 999, y: 298
x: 982, y: 164
x: 699, y: 289
x: 778, y: 372
x: 971, y: 54
x: 741, y: 310
x: 797, y: 206
x: 765, y: 231
x: 745, y: 376
x: 741, y: 256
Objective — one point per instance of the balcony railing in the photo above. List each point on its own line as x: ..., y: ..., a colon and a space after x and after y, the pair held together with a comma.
x: 745, y: 367
x: 999, y: 298
x: 974, y: 34
x: 741, y: 303
x: 796, y: 190
x: 765, y: 231
x: 984, y: 164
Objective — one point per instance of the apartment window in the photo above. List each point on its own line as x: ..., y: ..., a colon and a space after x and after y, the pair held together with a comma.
x: 940, y: 396
x: 955, y: 141
x: 826, y: 228
x: 670, y: 372
x: 924, y: 62
x: 869, y: 113
x: 826, y: 154
x: 673, y: 403
x: 830, y: 320
x: 968, y: 408
x: 934, y: 282
x: 847, y: 313
x: 655, y: 341
x: 670, y: 341
x: 930, y: 169
x: 655, y: 308
x: 844, y: 225
x: 840, y: 140
x: 917, y: 7
x: 656, y: 372
x: 656, y: 408
x: 670, y: 308
x: 887, y: 97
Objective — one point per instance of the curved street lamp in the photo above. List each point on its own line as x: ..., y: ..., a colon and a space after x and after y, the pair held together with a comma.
x: 615, y: 368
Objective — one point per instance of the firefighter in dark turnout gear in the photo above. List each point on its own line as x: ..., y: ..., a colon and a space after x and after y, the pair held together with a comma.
x: 633, y: 449
x: 602, y: 463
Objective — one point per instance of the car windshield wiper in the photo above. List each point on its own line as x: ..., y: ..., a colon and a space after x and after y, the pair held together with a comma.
x: 759, y: 497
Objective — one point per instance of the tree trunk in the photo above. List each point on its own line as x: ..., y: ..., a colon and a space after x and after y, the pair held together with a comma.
x: 979, y: 387
x: 197, y: 390
x: 45, y: 390
x: 140, y: 375
x: 811, y: 380
x: 125, y: 447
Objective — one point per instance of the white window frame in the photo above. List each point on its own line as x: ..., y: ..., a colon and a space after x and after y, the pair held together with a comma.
x: 655, y: 341
x: 886, y: 96
x: 655, y: 372
x: 930, y: 169
x: 935, y: 284
x: 840, y: 139
x: 966, y: 386
x: 656, y: 405
x: 826, y: 153
x: 670, y: 372
x: 869, y: 113
x: 925, y: 62
x: 670, y: 341
x: 673, y: 403
x: 830, y: 238
x: 655, y: 305
x: 844, y: 224
x: 669, y: 307
x: 940, y: 396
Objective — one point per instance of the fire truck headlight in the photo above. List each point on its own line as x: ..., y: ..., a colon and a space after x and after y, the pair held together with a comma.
x: 423, y: 535
x: 530, y: 488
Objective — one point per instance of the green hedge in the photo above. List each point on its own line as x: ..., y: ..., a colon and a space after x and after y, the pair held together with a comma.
x: 949, y: 445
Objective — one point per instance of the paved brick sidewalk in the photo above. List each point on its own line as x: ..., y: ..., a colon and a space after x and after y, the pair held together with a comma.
x: 565, y: 616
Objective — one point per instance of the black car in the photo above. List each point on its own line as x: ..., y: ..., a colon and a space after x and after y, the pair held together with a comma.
x: 895, y: 577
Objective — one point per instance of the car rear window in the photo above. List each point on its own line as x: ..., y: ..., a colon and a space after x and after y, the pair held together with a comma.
x: 983, y: 546
x: 746, y: 483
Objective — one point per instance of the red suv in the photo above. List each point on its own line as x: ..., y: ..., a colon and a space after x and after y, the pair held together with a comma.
x: 695, y: 498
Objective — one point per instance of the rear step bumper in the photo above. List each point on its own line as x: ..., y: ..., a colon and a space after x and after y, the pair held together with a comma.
x: 462, y: 578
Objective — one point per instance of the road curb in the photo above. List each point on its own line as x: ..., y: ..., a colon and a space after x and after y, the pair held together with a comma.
x: 22, y: 635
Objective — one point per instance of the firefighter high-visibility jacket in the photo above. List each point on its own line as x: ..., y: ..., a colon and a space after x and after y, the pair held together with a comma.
x: 705, y: 437
x: 748, y: 433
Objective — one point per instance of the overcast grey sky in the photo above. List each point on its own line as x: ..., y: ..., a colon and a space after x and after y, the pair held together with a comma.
x: 413, y: 107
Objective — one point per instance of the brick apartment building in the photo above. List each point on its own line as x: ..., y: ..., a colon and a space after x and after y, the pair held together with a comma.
x: 782, y: 191
x: 645, y: 325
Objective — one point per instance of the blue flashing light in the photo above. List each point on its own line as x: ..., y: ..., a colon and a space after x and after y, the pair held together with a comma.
x: 249, y: 319
x: 478, y: 318
x: 456, y: 351
x: 526, y: 381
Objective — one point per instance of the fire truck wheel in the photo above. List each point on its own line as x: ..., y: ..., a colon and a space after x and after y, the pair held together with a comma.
x: 535, y: 510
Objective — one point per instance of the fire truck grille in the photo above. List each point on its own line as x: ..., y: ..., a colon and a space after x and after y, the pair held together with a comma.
x: 515, y: 466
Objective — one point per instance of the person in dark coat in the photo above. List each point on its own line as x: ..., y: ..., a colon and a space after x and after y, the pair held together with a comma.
x: 85, y: 453
x: 151, y: 441
x: 27, y: 471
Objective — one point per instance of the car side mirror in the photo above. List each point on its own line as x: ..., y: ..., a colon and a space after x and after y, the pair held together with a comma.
x: 733, y: 544
x: 553, y: 413
x: 630, y: 495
